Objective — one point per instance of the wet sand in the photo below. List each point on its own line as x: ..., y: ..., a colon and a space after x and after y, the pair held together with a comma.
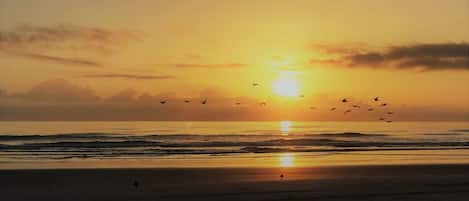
x: 390, y: 182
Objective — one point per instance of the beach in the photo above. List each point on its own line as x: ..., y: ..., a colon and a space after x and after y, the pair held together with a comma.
x: 386, y: 182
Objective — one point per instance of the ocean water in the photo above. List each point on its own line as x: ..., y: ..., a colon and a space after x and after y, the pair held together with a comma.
x: 219, y: 142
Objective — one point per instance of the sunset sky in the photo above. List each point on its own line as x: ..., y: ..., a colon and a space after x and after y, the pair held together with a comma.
x: 115, y: 60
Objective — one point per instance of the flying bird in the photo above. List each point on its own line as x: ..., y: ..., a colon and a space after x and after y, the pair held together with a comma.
x: 381, y: 119
x: 301, y: 96
x: 356, y: 106
x: 237, y: 103
x: 376, y: 98
x: 390, y: 113
x: 163, y: 101
x: 388, y: 121
x: 263, y: 103
x: 384, y: 104
x: 344, y: 100
x: 347, y: 111
x: 187, y: 101
x: 370, y: 109
x: 312, y: 108
x: 204, y: 102
x: 332, y: 109
x: 255, y: 84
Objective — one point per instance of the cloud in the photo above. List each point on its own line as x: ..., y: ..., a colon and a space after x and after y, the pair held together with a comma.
x: 131, y: 76
x: 438, y: 56
x: 61, y: 60
x: 58, y: 35
x: 195, y: 65
x: 60, y: 43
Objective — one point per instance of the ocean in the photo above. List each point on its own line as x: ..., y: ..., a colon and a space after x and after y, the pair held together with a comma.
x: 201, y: 144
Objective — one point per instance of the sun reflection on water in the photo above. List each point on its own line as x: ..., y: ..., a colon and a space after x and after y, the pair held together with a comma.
x: 287, y: 160
x: 285, y: 127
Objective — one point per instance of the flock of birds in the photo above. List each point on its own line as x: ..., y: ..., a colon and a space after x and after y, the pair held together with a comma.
x: 352, y: 107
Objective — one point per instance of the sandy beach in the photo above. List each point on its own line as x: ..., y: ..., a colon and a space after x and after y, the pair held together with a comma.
x: 390, y: 182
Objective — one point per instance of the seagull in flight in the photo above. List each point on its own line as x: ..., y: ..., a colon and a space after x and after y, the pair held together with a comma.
x: 384, y: 104
x: 376, y: 98
x: 187, y: 101
x: 255, y: 84
x: 356, y: 106
x: 344, y: 100
x: 370, y: 109
x: 347, y: 111
x: 163, y: 101
x: 204, y: 102
x: 332, y: 109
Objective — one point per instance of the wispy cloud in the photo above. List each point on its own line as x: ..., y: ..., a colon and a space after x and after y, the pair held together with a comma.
x: 437, y: 56
x: 131, y: 76
x: 43, y: 43
x: 201, y: 65
x: 61, y: 60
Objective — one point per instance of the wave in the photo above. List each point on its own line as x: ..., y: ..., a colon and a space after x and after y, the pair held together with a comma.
x: 351, y: 134
x: 268, y: 143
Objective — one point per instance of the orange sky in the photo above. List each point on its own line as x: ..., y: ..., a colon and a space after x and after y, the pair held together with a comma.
x: 129, y: 55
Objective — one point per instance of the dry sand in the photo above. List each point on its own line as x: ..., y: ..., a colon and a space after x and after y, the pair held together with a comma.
x: 410, y: 182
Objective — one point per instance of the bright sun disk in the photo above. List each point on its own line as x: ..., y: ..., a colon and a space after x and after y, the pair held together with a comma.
x: 287, y: 87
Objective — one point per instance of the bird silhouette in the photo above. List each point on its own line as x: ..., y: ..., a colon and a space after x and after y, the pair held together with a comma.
x: 332, y: 109
x: 204, y: 102
x: 344, y: 100
x: 237, y: 103
x: 388, y: 121
x: 263, y: 103
x: 347, y: 111
x: 187, y: 101
x: 282, y: 176
x: 370, y: 109
x: 255, y: 84
x: 356, y: 106
x: 312, y: 108
x: 384, y: 104
x: 163, y: 101
x: 381, y: 119
x: 389, y: 113
x: 376, y: 98
x: 301, y: 96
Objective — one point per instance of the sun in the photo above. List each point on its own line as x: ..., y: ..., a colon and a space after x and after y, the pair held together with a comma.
x: 286, y: 88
